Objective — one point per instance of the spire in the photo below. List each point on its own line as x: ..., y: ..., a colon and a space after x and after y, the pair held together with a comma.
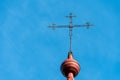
x: 70, y: 67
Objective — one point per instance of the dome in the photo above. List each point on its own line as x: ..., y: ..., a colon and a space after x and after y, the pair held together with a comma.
x: 70, y: 66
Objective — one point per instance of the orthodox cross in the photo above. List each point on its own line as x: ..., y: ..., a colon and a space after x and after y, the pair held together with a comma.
x: 71, y: 26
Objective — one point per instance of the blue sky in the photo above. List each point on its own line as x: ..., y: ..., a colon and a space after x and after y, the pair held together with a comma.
x: 31, y: 51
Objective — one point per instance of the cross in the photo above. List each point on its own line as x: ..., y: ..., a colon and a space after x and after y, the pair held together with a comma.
x: 71, y: 26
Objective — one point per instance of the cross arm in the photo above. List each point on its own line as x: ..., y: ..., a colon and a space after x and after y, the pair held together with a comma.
x: 60, y: 26
x: 87, y: 25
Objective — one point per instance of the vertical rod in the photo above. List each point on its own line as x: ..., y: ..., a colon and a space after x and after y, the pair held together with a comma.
x: 70, y: 76
x: 70, y: 31
x: 70, y: 34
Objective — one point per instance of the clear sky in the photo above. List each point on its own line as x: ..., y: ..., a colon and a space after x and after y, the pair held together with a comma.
x: 29, y: 50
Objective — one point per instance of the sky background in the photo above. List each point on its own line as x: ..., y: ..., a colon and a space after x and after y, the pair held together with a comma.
x: 29, y: 50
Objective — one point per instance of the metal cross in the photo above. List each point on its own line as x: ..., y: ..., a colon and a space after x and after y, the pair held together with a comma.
x: 71, y: 26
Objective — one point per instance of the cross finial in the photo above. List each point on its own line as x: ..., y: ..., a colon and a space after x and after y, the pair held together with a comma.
x: 71, y: 16
x: 71, y: 26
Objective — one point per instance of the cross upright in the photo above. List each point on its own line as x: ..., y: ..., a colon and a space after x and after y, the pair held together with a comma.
x: 71, y: 26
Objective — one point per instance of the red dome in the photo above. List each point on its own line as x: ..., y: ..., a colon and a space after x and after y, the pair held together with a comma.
x: 70, y: 66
